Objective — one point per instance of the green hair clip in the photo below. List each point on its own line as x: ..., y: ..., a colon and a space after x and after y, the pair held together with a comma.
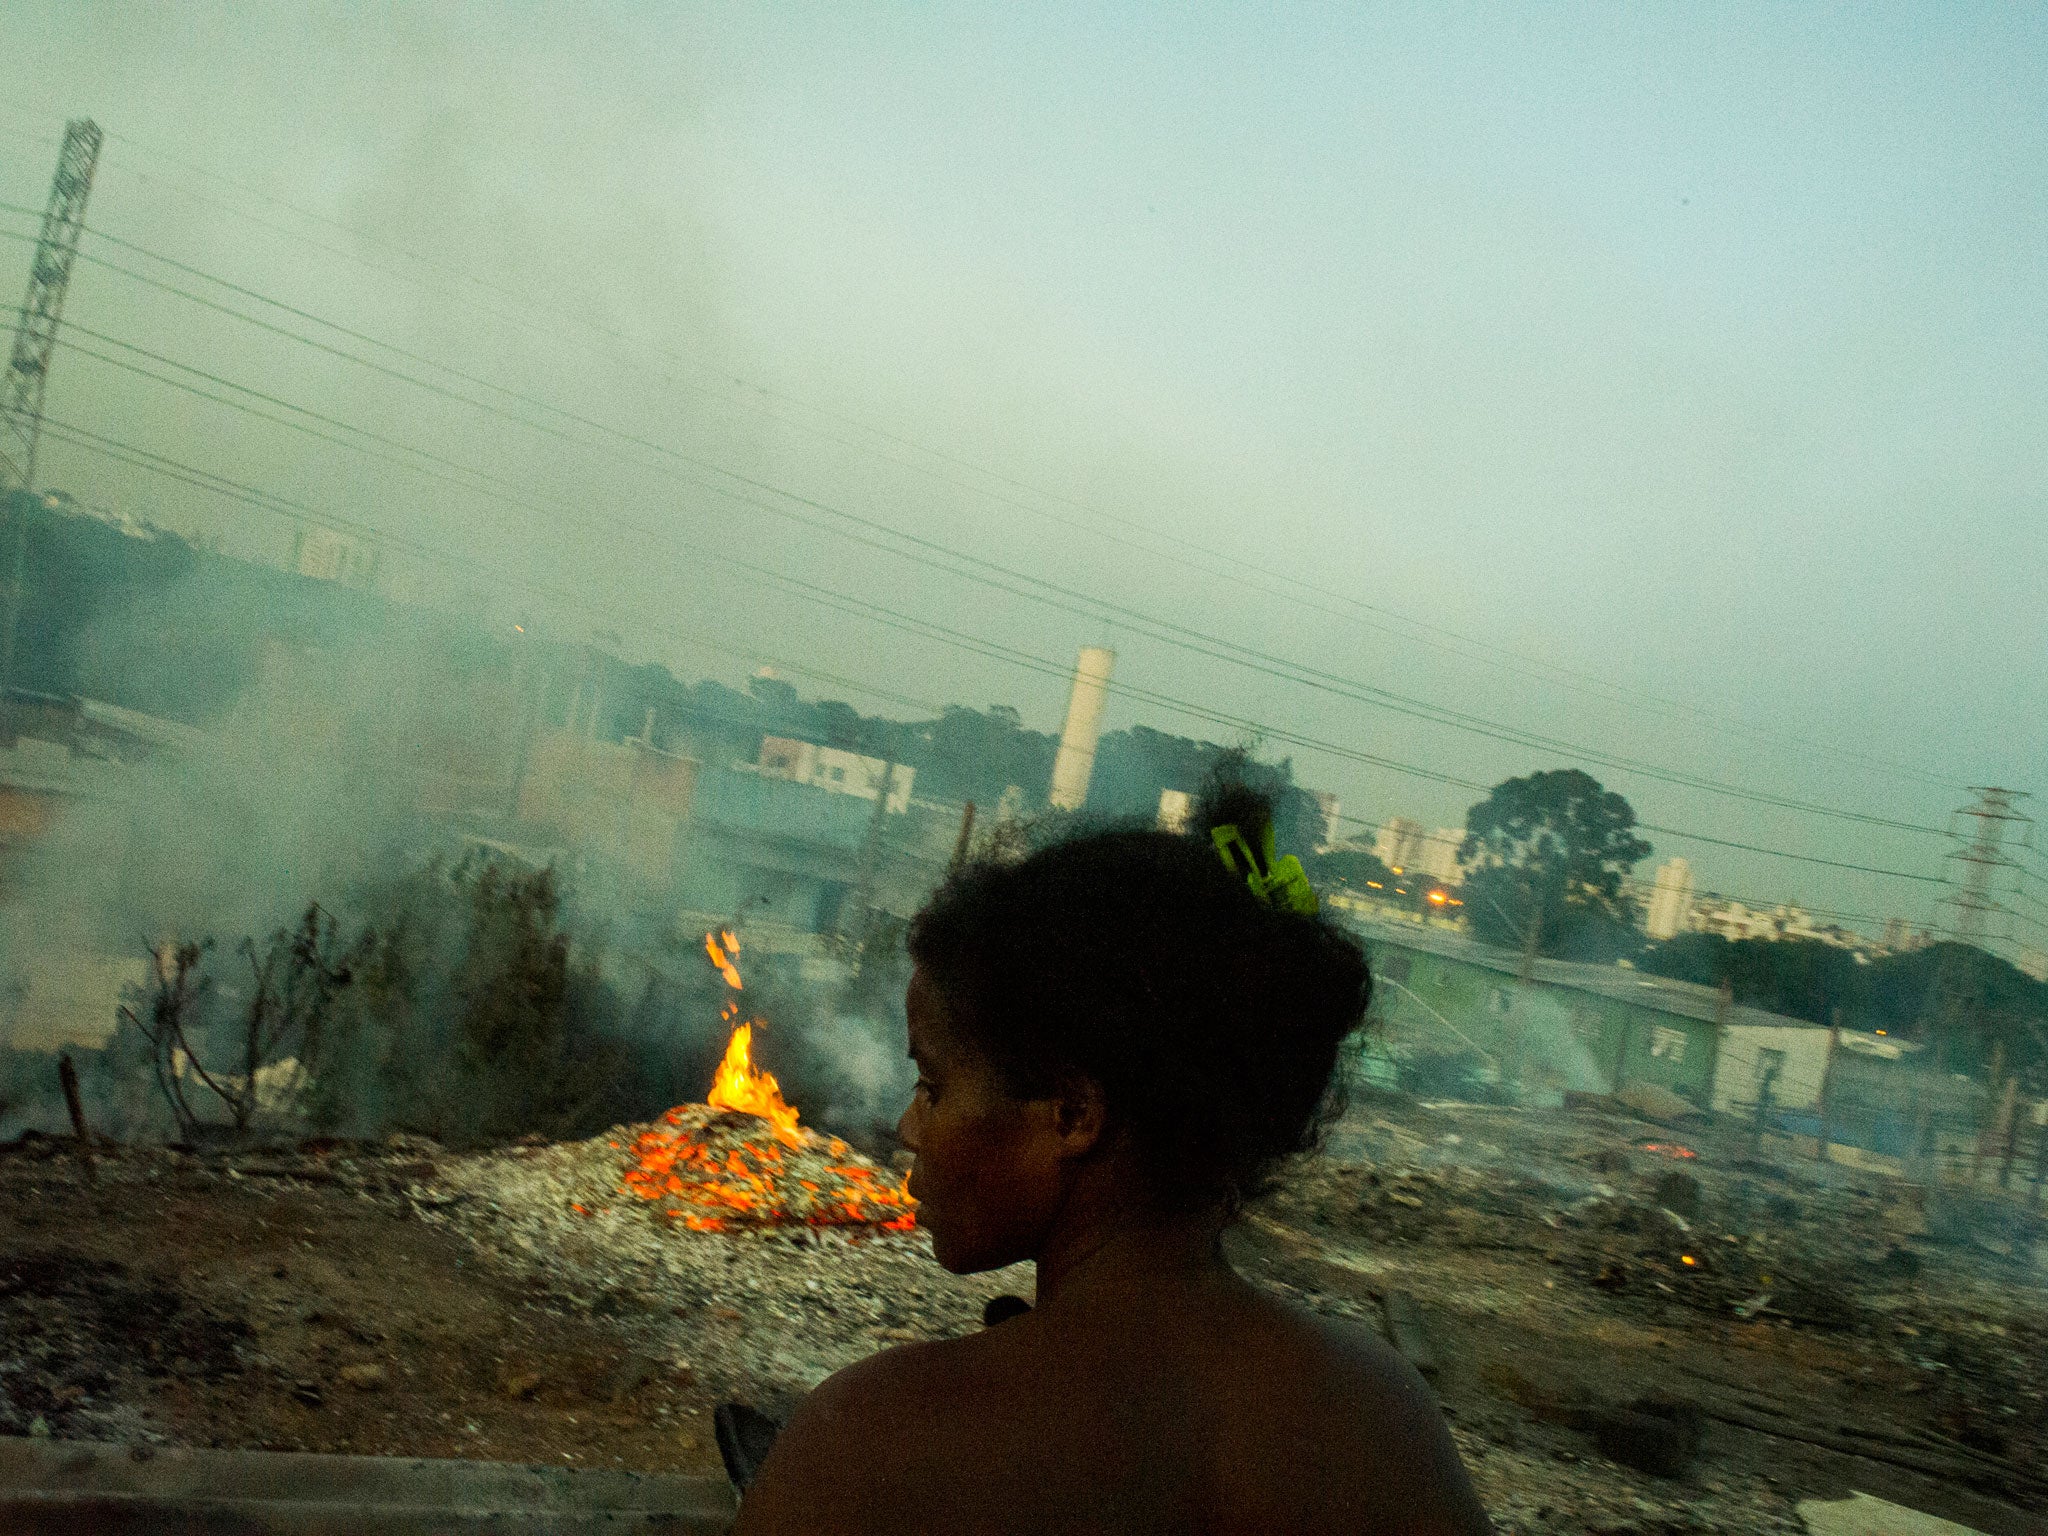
x: 1267, y: 876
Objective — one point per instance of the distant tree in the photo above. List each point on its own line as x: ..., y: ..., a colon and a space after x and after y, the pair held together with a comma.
x: 1800, y: 978
x: 1546, y: 855
x: 972, y: 754
x: 1355, y: 868
x: 1992, y: 1008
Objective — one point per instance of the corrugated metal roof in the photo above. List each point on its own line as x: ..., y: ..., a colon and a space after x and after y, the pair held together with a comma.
x: 1685, y: 998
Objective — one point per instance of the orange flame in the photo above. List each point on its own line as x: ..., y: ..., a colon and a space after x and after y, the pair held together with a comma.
x: 740, y: 1085
x: 723, y: 955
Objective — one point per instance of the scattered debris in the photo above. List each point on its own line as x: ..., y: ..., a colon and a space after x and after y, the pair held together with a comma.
x: 520, y: 1306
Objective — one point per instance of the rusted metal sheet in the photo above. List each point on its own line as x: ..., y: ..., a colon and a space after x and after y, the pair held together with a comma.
x: 77, y: 1487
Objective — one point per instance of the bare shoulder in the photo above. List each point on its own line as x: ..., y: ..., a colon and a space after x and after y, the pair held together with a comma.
x: 839, y: 1450
x: 1335, y: 1406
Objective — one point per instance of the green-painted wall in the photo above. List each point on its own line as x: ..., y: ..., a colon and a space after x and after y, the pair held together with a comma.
x: 1545, y: 1035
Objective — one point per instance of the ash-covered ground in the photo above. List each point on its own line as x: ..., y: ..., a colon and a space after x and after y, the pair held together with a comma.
x: 1833, y: 1332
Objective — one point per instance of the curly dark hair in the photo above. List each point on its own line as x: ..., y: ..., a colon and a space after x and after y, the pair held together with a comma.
x: 1211, y: 1019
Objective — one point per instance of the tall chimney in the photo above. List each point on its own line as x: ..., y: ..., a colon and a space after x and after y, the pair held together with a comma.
x: 1076, y: 759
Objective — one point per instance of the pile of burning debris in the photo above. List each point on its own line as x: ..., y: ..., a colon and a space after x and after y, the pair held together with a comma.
x: 793, y: 1252
x: 743, y: 1159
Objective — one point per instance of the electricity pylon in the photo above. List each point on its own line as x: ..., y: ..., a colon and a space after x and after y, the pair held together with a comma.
x: 28, y: 367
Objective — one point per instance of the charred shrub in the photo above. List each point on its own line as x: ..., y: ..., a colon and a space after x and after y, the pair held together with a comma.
x: 473, y: 1015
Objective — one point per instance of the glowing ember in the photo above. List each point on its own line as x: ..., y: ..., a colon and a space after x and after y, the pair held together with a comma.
x: 711, y: 1170
x: 710, y: 1167
x: 1669, y: 1149
x: 723, y: 947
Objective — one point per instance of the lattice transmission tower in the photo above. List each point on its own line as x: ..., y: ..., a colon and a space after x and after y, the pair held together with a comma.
x: 35, y: 337
x: 28, y: 367
x: 1982, y: 830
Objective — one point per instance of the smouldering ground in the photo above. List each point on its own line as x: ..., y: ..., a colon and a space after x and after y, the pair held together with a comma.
x: 1838, y: 1335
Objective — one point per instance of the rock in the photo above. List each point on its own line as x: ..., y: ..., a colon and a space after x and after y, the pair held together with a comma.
x: 1658, y: 1435
x: 518, y: 1384
x: 633, y: 1373
x: 1659, y: 1105
x: 1406, y: 1332
x: 1678, y: 1192
x: 1862, y: 1515
x: 367, y: 1377
x: 745, y: 1435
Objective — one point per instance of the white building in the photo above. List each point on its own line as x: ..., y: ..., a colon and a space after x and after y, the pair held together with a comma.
x: 1332, y: 820
x: 834, y: 769
x: 327, y: 555
x: 1670, y: 904
x: 1438, y: 857
x: 1733, y: 920
x: 1399, y: 842
x: 1790, y: 1057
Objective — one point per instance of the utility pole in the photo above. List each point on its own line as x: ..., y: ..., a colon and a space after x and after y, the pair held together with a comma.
x: 965, y: 840
x: 1826, y: 1100
x: 28, y: 369
x: 862, y: 905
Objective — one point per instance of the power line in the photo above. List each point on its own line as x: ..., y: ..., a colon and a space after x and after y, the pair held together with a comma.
x: 894, y: 619
x: 990, y: 573
x: 1045, y: 666
x: 1779, y: 853
x: 1232, y: 567
x: 918, y: 626
x: 299, y: 513
x: 910, y: 624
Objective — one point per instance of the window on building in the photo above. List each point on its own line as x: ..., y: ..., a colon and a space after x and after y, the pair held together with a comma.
x: 1667, y: 1043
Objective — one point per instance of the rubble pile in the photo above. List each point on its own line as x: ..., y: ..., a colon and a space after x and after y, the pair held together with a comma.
x: 1591, y: 1274
x: 767, y: 1306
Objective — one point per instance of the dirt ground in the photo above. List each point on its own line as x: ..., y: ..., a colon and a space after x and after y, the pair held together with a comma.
x: 1829, y: 1335
x: 196, y: 1308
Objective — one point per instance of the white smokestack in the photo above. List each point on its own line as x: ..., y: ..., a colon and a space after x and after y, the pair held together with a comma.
x: 1076, y: 759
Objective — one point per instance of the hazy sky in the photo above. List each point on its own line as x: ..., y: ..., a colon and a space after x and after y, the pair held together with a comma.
x: 1699, y: 350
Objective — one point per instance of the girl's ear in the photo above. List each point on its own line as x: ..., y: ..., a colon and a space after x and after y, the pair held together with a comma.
x: 1080, y: 1115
